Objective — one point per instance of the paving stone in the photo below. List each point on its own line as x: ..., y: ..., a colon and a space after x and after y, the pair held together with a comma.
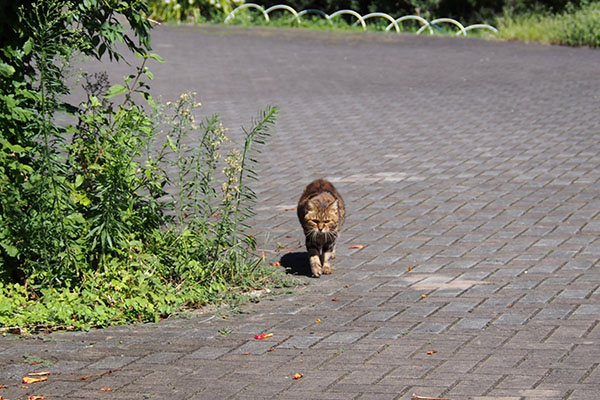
x: 471, y: 323
x: 343, y: 337
x: 112, y: 362
x: 300, y: 342
x: 475, y: 163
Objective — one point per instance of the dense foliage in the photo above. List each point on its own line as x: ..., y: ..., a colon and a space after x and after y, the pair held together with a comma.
x: 475, y: 11
x: 93, y: 231
x: 575, y: 26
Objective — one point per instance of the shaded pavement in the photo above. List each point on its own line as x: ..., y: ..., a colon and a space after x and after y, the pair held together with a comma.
x: 471, y: 174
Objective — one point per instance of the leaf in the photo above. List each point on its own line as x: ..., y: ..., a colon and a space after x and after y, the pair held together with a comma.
x: 104, y: 389
x: 275, y: 264
x: 45, y: 373
x: 78, y: 180
x: 263, y: 336
x: 115, y: 90
x: 6, y: 70
x: 154, y: 57
x: 28, y: 46
x: 11, y: 250
x: 357, y: 246
x: 431, y: 352
x: 30, y: 379
x: 35, y: 397
x: 297, y: 376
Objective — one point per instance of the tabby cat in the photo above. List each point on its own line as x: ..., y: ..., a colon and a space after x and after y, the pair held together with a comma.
x: 321, y: 213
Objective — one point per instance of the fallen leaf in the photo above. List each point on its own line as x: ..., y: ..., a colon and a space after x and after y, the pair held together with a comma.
x: 297, y: 376
x: 3, y: 386
x: 275, y: 264
x: 263, y: 336
x: 290, y: 209
x: 347, y: 286
x: 334, y: 299
x: 45, y: 373
x: 357, y: 246
x: 423, y: 296
x: 30, y: 379
x: 431, y: 352
x: 35, y: 397
x: 317, y: 320
x: 105, y: 389
x: 409, y: 269
x: 246, y: 354
x: 272, y: 349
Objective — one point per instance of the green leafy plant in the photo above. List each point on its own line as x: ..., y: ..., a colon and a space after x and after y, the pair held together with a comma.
x: 101, y: 222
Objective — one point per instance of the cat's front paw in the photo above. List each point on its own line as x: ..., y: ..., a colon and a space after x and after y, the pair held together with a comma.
x: 326, y: 269
x: 316, y: 271
x: 315, y: 266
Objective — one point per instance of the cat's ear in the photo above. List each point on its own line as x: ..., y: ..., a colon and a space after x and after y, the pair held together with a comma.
x: 333, y: 207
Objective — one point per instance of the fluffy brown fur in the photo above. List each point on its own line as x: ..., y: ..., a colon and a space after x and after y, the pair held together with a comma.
x: 321, y: 212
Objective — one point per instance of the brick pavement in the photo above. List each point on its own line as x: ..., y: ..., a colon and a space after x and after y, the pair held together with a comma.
x: 470, y: 170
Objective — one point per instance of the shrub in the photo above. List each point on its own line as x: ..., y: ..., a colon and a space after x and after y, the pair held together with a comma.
x: 581, y: 27
x: 191, y: 11
x: 93, y: 231
x: 574, y: 26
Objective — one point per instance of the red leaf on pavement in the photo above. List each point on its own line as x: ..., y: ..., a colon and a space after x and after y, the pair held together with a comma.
x: 262, y: 336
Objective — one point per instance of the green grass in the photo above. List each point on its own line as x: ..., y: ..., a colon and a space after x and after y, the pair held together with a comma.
x: 574, y: 27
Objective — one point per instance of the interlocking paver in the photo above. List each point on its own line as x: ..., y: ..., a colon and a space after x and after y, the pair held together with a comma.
x: 470, y: 170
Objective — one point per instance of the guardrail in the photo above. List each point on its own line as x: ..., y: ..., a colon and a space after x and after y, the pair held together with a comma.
x: 394, y: 22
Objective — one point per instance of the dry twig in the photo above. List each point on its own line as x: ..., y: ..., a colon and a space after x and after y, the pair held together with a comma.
x: 417, y: 397
x: 110, y: 371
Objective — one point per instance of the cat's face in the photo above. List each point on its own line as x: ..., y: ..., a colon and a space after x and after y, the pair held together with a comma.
x: 321, y: 218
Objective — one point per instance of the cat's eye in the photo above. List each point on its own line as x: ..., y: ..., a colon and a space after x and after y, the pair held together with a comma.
x: 315, y: 221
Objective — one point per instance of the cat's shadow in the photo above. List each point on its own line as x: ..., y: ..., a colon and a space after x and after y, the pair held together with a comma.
x: 296, y: 263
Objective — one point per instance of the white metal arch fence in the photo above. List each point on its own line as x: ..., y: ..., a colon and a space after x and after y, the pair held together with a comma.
x: 393, y: 22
